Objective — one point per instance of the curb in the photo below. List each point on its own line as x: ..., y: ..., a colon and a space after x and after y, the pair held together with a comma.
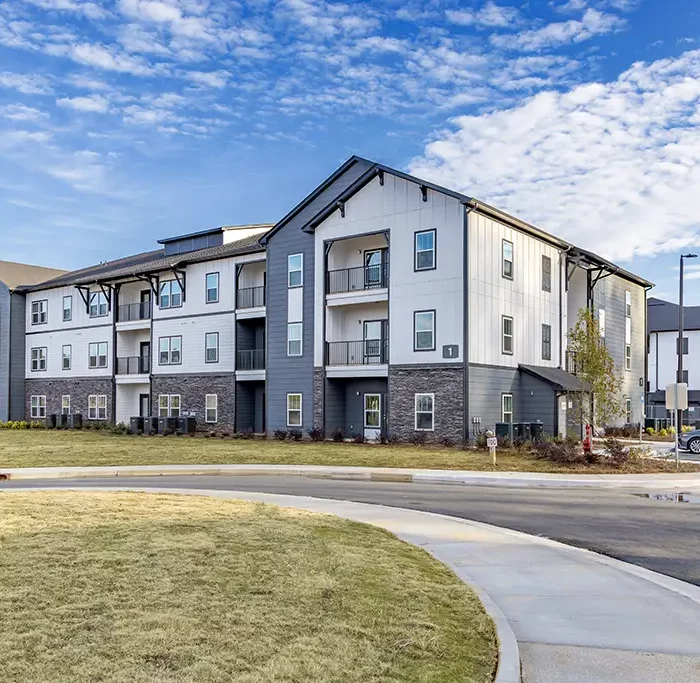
x: 385, y: 474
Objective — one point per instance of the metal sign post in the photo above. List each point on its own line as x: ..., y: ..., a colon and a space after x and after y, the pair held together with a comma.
x: 676, y: 402
x: 641, y: 420
x: 492, y: 443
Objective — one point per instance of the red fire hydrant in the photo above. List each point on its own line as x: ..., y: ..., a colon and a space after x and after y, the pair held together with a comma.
x: 587, y: 444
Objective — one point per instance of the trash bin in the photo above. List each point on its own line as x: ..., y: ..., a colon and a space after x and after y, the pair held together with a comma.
x: 150, y: 425
x: 50, y: 421
x: 136, y: 425
x: 167, y: 425
x: 186, y: 425
x: 75, y: 421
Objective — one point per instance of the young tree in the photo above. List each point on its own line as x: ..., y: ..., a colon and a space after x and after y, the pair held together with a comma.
x: 595, y: 366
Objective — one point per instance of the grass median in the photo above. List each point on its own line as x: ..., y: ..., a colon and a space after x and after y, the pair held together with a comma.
x: 133, y: 587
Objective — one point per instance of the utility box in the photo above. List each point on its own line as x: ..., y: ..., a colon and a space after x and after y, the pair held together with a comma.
x: 186, y: 425
x: 503, y: 430
x: 62, y: 421
x: 150, y: 425
x: 75, y: 421
x: 50, y: 421
x: 536, y: 431
x: 167, y: 425
x: 521, y: 432
x: 136, y: 425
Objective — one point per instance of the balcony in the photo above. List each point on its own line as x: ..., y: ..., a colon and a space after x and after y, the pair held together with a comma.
x: 366, y: 352
x: 134, y: 365
x: 358, y: 279
x: 127, y: 313
x: 251, y: 301
x: 253, y: 359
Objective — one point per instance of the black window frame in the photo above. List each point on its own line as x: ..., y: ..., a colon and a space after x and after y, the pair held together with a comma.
x: 511, y: 335
x: 39, y: 358
x: 98, y: 355
x: 504, y: 241
x: 63, y: 356
x: 46, y: 312
x: 98, y: 294
x: 206, y: 348
x: 546, y: 284
x: 415, y: 331
x: 170, y: 349
x: 546, y: 342
x: 416, y: 269
x: 69, y: 309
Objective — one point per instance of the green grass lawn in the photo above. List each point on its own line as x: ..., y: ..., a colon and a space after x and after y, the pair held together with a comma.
x: 50, y: 448
x: 140, y: 588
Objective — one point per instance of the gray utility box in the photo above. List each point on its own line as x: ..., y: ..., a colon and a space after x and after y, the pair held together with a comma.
x: 50, y: 421
x: 167, y: 425
x: 150, y: 425
x: 186, y: 425
x: 75, y: 421
x: 136, y: 425
x: 62, y: 421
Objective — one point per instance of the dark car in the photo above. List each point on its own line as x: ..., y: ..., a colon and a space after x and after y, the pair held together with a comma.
x: 690, y: 441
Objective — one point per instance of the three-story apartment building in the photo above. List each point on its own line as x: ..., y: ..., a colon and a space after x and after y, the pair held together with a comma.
x: 380, y: 304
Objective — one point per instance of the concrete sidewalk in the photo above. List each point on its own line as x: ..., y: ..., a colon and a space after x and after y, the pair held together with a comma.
x: 577, y: 616
x: 680, y: 481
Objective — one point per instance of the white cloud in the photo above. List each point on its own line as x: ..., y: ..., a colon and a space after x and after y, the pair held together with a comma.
x: 211, y: 79
x: 93, y: 103
x: 101, y: 57
x: 168, y: 13
x: 593, y: 23
x: 90, y: 10
x: 21, y: 112
x: 27, y: 84
x: 614, y: 166
x: 490, y: 15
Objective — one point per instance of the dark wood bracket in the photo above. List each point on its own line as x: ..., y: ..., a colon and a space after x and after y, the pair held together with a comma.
x: 180, y: 277
x: 154, y: 282
x: 108, y: 294
x: 424, y: 192
x: 85, y: 296
x: 341, y: 206
x: 380, y: 173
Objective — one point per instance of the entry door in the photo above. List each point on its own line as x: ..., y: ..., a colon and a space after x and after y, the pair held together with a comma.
x: 144, y: 405
x: 373, y: 416
x: 145, y: 358
x: 374, y: 335
x: 561, y: 412
x: 145, y: 304
x: 374, y: 268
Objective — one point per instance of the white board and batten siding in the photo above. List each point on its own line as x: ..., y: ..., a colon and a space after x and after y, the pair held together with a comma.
x: 492, y: 296
x: 397, y: 207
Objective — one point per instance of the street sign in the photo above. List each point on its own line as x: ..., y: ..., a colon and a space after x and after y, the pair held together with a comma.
x: 492, y: 442
x: 677, y: 396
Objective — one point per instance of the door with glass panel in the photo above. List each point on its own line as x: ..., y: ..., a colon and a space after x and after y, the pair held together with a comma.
x: 374, y: 268
x: 374, y: 342
x: 373, y: 416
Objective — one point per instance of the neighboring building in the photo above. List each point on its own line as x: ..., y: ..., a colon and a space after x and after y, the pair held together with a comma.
x: 380, y: 304
x: 12, y: 331
x: 663, y: 355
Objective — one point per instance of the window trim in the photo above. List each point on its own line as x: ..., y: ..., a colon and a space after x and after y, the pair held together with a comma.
x: 416, y: 269
x: 98, y: 294
x: 511, y: 335
x: 628, y: 303
x: 38, y: 415
x: 97, y: 398
x: 215, y: 408
x: 63, y: 408
x: 504, y: 241
x: 206, y: 287
x: 512, y: 408
x: 38, y: 367
x: 300, y: 340
x: 69, y: 309
x: 299, y: 410
x: 206, y: 348
x: 300, y: 270
x: 371, y: 410
x: 416, y: 411
x: 628, y: 356
x: 434, y: 330
x: 169, y: 406
x: 546, y: 343
x: 63, y: 356
x: 547, y: 289
x: 46, y: 312
x: 97, y: 365
x: 170, y: 350
x: 628, y: 411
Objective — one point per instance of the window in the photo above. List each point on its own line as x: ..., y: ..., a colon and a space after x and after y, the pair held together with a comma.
x: 38, y: 406
x: 39, y: 359
x: 424, y: 412
x: 424, y: 331
x: 98, y: 305
x: 170, y: 294
x: 507, y: 329
x: 601, y: 322
x: 293, y: 410
x: 684, y: 376
x: 295, y: 266
x: 170, y: 349
x: 169, y: 405
x: 97, y: 407
x: 546, y: 342
x: 65, y: 404
x: 66, y: 352
x: 628, y: 343
x: 97, y: 355
x: 628, y: 303
x: 294, y: 331
x: 507, y: 259
x: 628, y: 356
x: 40, y: 312
x: 67, y: 308
x: 506, y: 407
x: 372, y: 411
x: 424, y: 250
x: 546, y: 274
x: 212, y: 288
x: 211, y: 347
x: 685, y: 346
x: 211, y: 408
x: 628, y: 410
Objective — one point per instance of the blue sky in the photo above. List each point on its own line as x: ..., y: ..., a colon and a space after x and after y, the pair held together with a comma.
x: 124, y: 121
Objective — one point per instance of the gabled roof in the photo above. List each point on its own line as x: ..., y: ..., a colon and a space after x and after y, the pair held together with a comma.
x: 16, y: 274
x: 558, y: 379
x: 662, y: 316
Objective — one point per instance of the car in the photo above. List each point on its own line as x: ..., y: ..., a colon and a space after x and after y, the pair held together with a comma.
x: 690, y: 441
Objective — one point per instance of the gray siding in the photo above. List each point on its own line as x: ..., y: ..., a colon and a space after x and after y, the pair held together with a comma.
x: 4, y: 353
x: 249, y: 406
x: 538, y: 402
x: 17, y: 355
x: 486, y: 385
x: 345, y: 403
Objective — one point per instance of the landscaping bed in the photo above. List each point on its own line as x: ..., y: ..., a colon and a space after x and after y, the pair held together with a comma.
x: 59, y: 448
x: 137, y: 588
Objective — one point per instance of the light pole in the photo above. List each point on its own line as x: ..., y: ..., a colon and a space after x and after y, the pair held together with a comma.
x: 679, y: 377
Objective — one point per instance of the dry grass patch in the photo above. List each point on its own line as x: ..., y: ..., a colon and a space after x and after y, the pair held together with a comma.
x: 129, y: 587
x: 49, y: 448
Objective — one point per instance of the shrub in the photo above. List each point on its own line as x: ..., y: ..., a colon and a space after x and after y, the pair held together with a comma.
x: 617, y: 454
x: 650, y: 431
x: 359, y: 438
x: 247, y: 434
x: 418, y: 438
x: 663, y: 432
x: 338, y: 435
x: 447, y: 442
x: 119, y: 429
x: 281, y: 434
x: 563, y: 451
x: 687, y: 428
x: 296, y: 434
x: 316, y: 434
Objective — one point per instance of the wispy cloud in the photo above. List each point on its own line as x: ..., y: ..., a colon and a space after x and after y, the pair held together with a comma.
x: 93, y: 103
x: 28, y: 84
x: 490, y: 15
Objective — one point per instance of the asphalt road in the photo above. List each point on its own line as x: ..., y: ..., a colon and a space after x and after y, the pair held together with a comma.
x: 660, y: 535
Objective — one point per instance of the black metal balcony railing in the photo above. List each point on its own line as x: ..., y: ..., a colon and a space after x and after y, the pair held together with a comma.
x: 367, y: 352
x: 134, y: 365
x: 254, y: 359
x: 130, y: 312
x: 357, y: 279
x: 250, y: 297
x: 573, y: 364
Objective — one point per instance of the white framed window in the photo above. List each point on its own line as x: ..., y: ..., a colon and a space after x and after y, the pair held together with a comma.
x: 212, y: 295
x: 424, y: 250
x: 66, y: 353
x: 546, y: 342
x: 294, y: 334
x: 97, y: 355
x: 38, y: 406
x: 67, y: 308
x: 65, y: 404
x: 424, y: 330
x: 628, y: 343
x: 40, y: 312
x: 98, y: 305
x: 293, y: 410
x: 506, y: 407
x: 211, y: 347
x: 628, y: 410
x: 507, y: 335
x: 97, y: 407
x: 295, y: 270
x: 169, y: 405
x: 170, y: 350
x: 424, y: 412
x: 546, y: 274
x: 628, y: 303
x: 628, y: 356
x: 39, y: 359
x: 601, y: 322
x: 373, y: 413
x: 170, y: 294
x: 211, y: 408
x: 507, y: 254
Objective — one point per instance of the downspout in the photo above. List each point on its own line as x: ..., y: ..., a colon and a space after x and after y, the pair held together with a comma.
x: 562, y: 283
x: 465, y: 323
